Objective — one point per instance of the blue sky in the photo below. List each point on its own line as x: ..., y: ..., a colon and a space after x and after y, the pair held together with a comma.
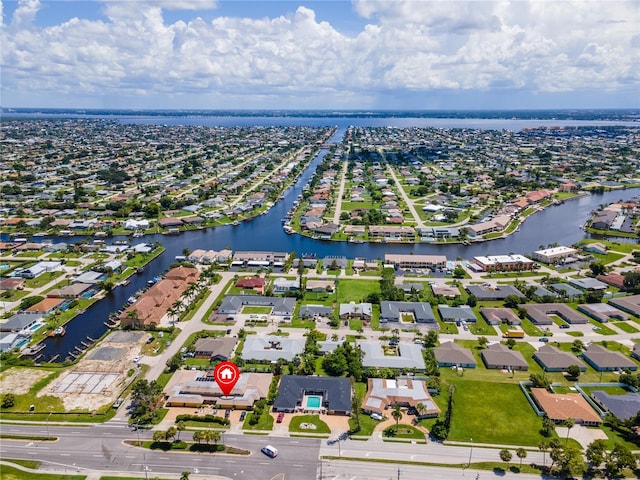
x: 331, y: 54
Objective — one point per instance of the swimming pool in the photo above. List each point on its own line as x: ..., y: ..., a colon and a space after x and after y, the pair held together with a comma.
x: 313, y: 401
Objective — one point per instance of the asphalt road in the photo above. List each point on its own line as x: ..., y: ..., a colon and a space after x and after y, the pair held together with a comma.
x: 102, y: 448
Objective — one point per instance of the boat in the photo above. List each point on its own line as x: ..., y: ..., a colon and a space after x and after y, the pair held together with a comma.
x: 288, y: 230
x: 58, y: 332
x: 138, y: 234
x: 125, y: 282
x: 236, y: 223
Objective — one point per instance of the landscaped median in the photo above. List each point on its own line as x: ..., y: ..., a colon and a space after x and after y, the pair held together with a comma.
x: 181, y: 446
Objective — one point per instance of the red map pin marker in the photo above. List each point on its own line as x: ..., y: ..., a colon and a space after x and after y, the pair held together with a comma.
x: 226, y: 374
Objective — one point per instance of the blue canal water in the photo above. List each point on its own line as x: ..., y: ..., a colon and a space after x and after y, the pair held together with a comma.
x: 560, y: 224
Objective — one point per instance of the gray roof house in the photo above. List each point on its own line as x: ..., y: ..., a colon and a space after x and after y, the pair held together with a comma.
x: 635, y: 353
x: 500, y: 292
x: 628, y: 304
x: 498, y: 356
x: 214, y: 348
x: 409, y: 356
x: 604, y: 360
x: 271, y: 348
x: 311, y: 311
x: 356, y: 310
x: 20, y: 321
x: 566, y: 290
x: 624, y: 406
x: 392, y: 311
x: 539, y: 313
x: 588, y: 283
x: 495, y: 316
x: 450, y: 353
x: 294, y: 390
x: 463, y: 313
x: 282, y: 306
x: 552, y: 359
x: 602, y: 312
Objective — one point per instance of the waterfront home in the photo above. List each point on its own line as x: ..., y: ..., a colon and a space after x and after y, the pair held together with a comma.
x: 497, y: 224
x: 391, y: 233
x: 405, y: 261
x: 503, y: 263
x: 555, y: 255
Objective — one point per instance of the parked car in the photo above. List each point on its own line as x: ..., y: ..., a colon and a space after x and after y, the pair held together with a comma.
x: 150, y: 340
x: 242, y: 415
x: 564, y: 325
x: 543, y: 339
x: 228, y: 331
x: 280, y: 418
x: 376, y: 416
x: 227, y: 412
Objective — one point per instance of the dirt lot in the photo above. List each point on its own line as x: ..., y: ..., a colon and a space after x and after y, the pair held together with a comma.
x: 100, y: 377
x: 19, y: 380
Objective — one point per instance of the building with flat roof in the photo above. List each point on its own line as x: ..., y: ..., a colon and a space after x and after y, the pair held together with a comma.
x: 383, y: 393
x: 554, y: 255
x: 504, y: 263
x: 552, y: 359
x: 560, y: 407
x: 194, y: 388
x: 408, y: 355
x: 391, y: 232
x: 271, y: 348
x: 403, y: 261
x: 497, y: 224
x: 591, y: 284
x: 295, y: 391
x: 448, y: 291
x: 356, y: 310
x: 450, y: 354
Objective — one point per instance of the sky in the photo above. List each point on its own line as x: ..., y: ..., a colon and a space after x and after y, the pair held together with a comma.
x: 327, y: 54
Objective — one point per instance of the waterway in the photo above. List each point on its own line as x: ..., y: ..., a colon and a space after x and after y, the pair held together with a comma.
x: 557, y: 224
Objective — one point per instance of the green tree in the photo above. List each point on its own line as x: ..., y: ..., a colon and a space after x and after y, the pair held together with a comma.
x: 596, y: 453
x: 174, y: 362
x: 197, y: 436
x: 619, y: 459
x: 396, y: 413
x: 573, y: 371
x: 577, y: 345
x: 180, y: 427
x: 506, y: 456
x: 8, y: 400
x: 597, y: 268
x: 483, y: 342
x: 159, y: 435
x: 570, y: 461
x: 459, y: 272
x: 431, y: 339
x: 184, y: 476
x: 547, y: 427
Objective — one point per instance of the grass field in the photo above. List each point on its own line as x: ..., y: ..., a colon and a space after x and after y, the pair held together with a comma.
x: 321, y: 427
x: 257, y: 310
x: 10, y: 473
x: 356, y: 290
x: 265, y: 423
x: 493, y: 413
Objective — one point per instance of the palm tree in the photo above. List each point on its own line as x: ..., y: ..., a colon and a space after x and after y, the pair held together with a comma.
x: 521, y: 453
x: 569, y: 423
x: 180, y: 427
x: 421, y: 407
x: 171, y: 433
x: 197, y: 436
x: 543, y: 446
x: 397, y: 415
x: 506, y: 456
x: 184, y: 476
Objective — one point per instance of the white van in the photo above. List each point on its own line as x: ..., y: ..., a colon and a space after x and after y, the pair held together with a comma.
x: 270, y: 451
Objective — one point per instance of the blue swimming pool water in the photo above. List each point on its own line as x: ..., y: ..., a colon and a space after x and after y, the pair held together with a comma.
x: 314, y: 401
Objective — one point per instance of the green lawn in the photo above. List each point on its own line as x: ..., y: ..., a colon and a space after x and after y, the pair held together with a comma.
x: 367, y: 425
x: 10, y: 473
x: 265, y: 423
x: 258, y: 310
x: 625, y: 327
x: 493, y: 413
x: 321, y: 427
x: 353, y: 290
x: 404, y: 431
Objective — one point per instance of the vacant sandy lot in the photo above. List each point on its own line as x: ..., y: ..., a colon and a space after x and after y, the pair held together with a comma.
x: 19, y: 380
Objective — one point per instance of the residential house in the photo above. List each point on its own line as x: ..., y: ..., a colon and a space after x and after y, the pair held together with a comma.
x: 383, y: 393
x: 301, y: 394
x: 450, y: 354
x: 604, y: 360
x: 498, y: 356
x: 552, y: 359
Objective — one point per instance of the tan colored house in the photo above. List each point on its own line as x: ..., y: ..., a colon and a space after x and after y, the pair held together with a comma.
x: 383, y: 393
x: 560, y: 407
